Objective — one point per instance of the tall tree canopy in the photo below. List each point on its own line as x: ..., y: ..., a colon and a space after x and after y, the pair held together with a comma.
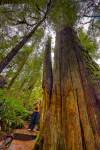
x: 71, y: 85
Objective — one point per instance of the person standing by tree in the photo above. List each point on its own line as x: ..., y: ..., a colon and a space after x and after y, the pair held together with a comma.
x: 34, y: 119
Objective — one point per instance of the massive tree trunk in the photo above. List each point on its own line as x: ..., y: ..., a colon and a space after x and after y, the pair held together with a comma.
x: 73, y: 119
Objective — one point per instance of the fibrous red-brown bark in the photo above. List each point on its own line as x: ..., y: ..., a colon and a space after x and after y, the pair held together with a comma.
x: 47, y: 75
x: 47, y: 88
x: 74, y: 122
x: 47, y: 92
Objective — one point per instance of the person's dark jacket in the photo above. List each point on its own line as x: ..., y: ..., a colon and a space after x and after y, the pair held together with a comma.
x: 35, y: 117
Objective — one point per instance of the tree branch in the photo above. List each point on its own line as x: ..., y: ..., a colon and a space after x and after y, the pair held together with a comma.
x: 15, y: 50
x: 2, y: 2
x: 92, y: 16
x: 24, y: 22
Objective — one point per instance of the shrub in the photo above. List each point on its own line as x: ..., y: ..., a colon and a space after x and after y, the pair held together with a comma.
x: 12, y: 113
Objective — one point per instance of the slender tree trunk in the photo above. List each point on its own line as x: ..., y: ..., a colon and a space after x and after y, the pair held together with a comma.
x: 18, y: 71
x: 30, y: 91
x: 47, y: 92
x: 22, y: 84
x: 47, y: 77
x: 16, y: 49
x: 47, y: 89
x: 73, y: 120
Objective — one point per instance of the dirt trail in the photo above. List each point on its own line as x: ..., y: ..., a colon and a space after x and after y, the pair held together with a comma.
x: 21, y: 145
x: 23, y: 139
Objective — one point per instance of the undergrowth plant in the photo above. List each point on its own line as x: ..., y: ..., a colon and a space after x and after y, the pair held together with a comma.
x: 12, y: 113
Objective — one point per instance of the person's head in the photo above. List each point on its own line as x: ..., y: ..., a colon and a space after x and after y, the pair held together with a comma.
x: 36, y: 105
x: 36, y: 109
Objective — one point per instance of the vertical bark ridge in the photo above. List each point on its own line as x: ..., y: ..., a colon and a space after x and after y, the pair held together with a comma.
x: 47, y: 92
x: 47, y: 72
x: 83, y: 108
x: 72, y: 124
x: 92, y: 106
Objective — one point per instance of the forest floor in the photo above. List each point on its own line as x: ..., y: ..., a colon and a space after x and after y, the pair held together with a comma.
x: 22, y: 139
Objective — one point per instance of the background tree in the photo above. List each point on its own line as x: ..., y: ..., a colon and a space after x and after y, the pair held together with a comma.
x: 14, y: 51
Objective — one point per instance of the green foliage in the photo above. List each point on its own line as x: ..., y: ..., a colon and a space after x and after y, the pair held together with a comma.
x: 64, y: 11
x: 12, y: 113
x: 37, y: 91
x: 88, y: 43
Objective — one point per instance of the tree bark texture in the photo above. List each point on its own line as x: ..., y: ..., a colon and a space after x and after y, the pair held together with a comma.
x: 74, y: 122
x: 47, y: 92
x: 47, y: 75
